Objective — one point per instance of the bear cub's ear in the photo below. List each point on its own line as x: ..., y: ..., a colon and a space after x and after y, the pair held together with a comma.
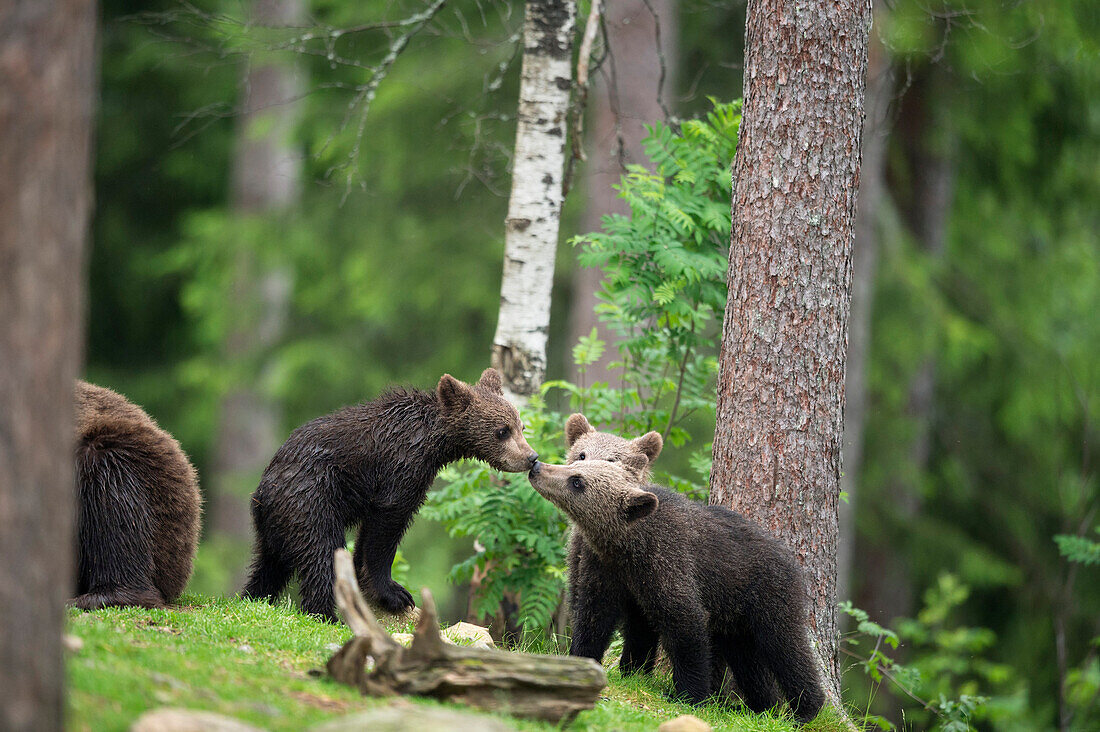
x: 453, y: 394
x: 635, y: 461
x: 649, y: 444
x: 576, y: 426
x: 638, y: 505
x: 490, y: 379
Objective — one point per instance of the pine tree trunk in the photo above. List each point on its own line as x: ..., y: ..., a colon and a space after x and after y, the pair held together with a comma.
x: 267, y: 172
x: 534, y: 209
x: 876, y: 134
x: 620, y: 106
x: 47, y: 77
x: 785, y: 334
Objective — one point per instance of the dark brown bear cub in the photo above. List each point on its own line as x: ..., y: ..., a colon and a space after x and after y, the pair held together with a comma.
x: 370, y: 466
x: 138, y: 505
x: 701, y: 580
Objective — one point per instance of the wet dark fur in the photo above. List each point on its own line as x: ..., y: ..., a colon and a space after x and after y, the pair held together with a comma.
x: 369, y: 466
x: 703, y: 581
x: 138, y: 505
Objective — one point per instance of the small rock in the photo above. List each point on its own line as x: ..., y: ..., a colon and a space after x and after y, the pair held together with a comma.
x: 245, y: 648
x: 411, y: 717
x: 404, y: 639
x: 684, y: 723
x: 186, y: 720
x: 71, y: 643
x: 468, y: 632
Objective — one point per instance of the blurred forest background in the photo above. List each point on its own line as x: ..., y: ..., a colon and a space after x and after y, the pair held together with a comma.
x: 264, y: 252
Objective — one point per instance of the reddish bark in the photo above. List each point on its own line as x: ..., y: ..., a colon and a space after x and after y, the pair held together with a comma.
x: 47, y: 73
x: 781, y: 372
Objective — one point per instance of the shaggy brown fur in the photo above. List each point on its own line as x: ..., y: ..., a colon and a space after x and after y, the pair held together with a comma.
x: 584, y: 442
x: 370, y: 466
x: 701, y: 580
x: 139, y: 505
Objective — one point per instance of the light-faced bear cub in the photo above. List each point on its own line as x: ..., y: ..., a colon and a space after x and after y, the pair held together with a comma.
x: 370, y: 466
x: 701, y: 580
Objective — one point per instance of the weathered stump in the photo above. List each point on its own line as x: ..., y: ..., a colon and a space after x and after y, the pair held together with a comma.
x: 553, y: 688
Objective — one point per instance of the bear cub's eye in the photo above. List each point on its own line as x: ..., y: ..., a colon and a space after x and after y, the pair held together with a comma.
x: 581, y: 456
x: 503, y: 432
x: 576, y: 483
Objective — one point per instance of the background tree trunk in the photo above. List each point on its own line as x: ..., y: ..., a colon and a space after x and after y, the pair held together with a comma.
x: 876, y: 134
x: 927, y: 142
x: 534, y: 208
x: 267, y: 172
x: 781, y: 370
x: 47, y: 77
x: 628, y: 95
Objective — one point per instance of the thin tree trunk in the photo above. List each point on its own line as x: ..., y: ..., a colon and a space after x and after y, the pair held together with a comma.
x: 781, y: 370
x: 47, y: 79
x: 928, y: 142
x: 267, y: 171
x: 534, y: 209
x: 876, y: 133
x: 634, y: 81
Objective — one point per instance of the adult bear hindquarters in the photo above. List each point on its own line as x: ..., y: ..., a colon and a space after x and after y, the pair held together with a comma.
x: 138, y: 505
x: 701, y: 580
x: 370, y: 466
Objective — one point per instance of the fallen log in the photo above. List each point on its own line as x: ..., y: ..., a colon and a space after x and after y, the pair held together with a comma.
x: 552, y: 688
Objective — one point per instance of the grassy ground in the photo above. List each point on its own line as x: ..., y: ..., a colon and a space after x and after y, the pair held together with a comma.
x: 251, y: 661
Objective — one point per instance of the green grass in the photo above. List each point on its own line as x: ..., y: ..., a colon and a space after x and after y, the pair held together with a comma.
x: 251, y: 661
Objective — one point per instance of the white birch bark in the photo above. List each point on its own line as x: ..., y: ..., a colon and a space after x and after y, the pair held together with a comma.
x: 534, y: 209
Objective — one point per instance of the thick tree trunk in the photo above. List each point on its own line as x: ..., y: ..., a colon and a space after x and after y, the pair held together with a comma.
x: 623, y: 102
x: 781, y: 370
x: 267, y: 171
x: 534, y: 209
x: 47, y: 78
x: 876, y: 133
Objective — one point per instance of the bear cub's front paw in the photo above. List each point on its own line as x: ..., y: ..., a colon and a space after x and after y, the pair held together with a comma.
x: 394, y: 598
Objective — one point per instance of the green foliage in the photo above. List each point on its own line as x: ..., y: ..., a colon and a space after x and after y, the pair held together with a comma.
x: 663, y: 293
x: 1079, y: 548
x: 520, y: 536
x: 945, y: 667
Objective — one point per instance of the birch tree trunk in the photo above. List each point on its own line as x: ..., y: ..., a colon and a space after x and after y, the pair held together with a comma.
x: 267, y: 172
x: 534, y: 209
x: 785, y: 333
x: 876, y: 134
x: 621, y: 105
x: 47, y: 79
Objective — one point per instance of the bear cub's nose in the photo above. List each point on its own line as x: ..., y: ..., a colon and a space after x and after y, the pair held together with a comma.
x: 532, y: 459
x: 535, y: 467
